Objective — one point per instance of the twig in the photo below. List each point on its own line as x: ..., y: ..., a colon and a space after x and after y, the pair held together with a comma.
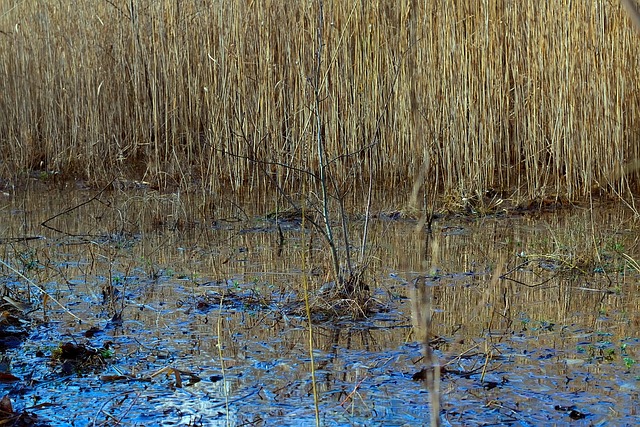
x: 66, y: 211
x: 32, y: 283
x: 322, y: 173
x: 505, y: 276
x: 354, y: 391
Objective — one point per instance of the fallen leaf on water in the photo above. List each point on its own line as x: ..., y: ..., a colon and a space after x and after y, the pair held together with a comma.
x: 5, y: 405
x: 6, y: 377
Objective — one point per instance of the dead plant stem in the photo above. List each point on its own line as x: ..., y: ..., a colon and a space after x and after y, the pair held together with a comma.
x: 219, y: 332
x: 320, y: 146
x: 45, y: 293
x: 307, y: 306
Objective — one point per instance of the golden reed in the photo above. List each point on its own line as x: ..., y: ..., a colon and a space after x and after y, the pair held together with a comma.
x: 534, y: 98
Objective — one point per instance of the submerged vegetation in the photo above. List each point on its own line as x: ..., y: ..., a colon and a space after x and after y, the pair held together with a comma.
x: 529, y: 100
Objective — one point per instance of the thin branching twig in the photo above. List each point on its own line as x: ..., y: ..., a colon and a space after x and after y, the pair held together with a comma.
x: 44, y: 292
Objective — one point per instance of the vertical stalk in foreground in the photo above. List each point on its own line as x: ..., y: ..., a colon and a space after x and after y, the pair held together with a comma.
x: 221, y: 358
x: 421, y: 304
x: 322, y: 174
x: 422, y: 293
x: 307, y: 307
x: 421, y: 312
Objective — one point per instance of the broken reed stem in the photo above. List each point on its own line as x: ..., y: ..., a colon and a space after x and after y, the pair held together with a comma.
x: 223, y: 371
x: 365, y: 226
x: 421, y: 304
x: 307, y: 307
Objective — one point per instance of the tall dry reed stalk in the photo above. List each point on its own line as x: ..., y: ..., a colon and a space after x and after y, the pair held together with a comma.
x: 532, y: 97
x: 421, y: 310
x: 421, y: 316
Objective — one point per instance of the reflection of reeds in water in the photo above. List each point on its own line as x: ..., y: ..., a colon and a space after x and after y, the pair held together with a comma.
x: 182, y: 92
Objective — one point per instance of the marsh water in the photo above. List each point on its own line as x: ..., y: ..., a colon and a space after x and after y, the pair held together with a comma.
x: 193, y: 311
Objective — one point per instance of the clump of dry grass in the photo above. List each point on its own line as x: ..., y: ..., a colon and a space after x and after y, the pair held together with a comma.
x: 539, y: 99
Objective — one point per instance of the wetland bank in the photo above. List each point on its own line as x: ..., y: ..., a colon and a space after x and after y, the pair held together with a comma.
x: 259, y: 213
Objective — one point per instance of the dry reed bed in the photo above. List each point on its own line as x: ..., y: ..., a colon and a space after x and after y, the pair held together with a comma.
x: 535, y: 98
